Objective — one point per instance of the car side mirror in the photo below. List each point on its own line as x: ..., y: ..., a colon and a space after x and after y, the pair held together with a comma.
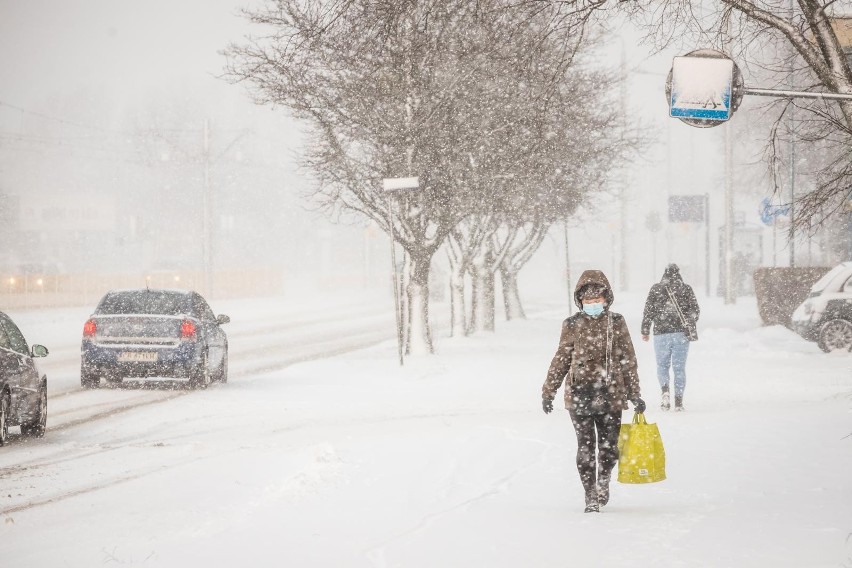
x: 38, y: 351
x: 222, y: 319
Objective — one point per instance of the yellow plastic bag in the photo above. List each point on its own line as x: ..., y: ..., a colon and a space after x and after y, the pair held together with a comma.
x: 641, y: 456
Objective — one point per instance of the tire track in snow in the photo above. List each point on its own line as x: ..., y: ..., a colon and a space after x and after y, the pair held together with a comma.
x: 326, y: 349
x: 89, y: 489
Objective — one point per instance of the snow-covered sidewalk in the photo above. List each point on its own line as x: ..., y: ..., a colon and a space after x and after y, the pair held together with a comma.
x: 449, y: 462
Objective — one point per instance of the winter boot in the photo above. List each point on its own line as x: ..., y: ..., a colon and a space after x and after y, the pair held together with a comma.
x: 666, y: 401
x: 592, y: 504
x: 603, y: 488
x: 678, y: 404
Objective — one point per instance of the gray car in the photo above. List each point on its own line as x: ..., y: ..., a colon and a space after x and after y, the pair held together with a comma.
x: 154, y: 333
x: 23, y: 389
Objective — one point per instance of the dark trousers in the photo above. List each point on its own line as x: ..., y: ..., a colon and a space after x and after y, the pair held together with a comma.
x: 601, y: 431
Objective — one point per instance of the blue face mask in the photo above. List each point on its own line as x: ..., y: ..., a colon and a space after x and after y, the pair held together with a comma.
x: 594, y: 310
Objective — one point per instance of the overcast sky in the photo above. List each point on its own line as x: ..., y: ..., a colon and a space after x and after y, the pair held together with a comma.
x: 119, y: 48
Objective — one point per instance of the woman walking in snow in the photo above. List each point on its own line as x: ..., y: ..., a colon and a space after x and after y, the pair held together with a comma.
x: 596, y: 361
x: 672, y: 308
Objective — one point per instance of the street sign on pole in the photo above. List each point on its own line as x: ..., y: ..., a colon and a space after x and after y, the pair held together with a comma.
x: 769, y: 212
x: 686, y: 208
x: 390, y: 185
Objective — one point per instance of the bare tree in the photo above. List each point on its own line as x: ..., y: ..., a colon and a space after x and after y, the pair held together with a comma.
x: 462, y: 242
x: 408, y: 87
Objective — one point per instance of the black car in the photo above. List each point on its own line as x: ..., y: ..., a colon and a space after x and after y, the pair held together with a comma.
x: 154, y: 333
x: 23, y: 390
x: 826, y: 314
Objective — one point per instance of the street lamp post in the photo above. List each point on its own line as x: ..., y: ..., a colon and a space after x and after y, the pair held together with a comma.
x: 206, y: 222
x: 390, y: 185
x: 568, y: 273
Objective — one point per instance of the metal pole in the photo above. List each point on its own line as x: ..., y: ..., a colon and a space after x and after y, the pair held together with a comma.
x: 774, y: 241
x: 792, y: 236
x: 396, y: 310
x: 568, y: 273
x: 792, y: 118
x: 205, y: 215
x: 622, y: 269
x: 653, y: 255
x: 781, y: 93
x: 730, y: 296
x: 707, y: 242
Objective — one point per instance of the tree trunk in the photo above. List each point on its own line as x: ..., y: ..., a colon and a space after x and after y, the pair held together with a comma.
x: 418, y: 340
x: 482, y: 274
x: 458, y: 315
x: 514, y: 259
x: 511, y: 297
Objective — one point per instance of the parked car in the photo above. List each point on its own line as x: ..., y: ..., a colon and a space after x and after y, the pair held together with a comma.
x: 23, y: 389
x: 826, y: 314
x: 154, y: 333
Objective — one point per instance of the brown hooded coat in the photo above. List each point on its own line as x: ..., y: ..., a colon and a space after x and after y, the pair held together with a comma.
x: 581, y: 357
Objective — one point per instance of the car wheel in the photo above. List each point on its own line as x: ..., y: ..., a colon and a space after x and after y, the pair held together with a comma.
x: 200, y: 376
x: 222, y: 373
x: 36, y: 428
x: 4, y: 418
x: 88, y: 379
x: 834, y: 335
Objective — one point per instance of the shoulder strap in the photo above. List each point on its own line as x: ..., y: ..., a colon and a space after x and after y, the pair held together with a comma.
x: 677, y: 307
x: 609, y: 340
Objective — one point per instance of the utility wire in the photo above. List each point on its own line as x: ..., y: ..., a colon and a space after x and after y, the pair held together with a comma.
x: 61, y: 120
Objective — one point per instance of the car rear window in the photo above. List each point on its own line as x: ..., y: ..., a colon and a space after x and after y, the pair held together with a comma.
x: 144, y: 302
x: 823, y: 282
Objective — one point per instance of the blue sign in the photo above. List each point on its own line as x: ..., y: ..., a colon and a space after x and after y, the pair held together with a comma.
x: 769, y: 212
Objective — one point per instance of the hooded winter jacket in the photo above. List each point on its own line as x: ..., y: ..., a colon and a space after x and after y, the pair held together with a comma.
x: 581, y: 358
x: 661, y: 311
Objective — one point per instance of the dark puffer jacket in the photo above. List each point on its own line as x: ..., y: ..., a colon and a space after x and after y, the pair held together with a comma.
x: 581, y: 358
x: 661, y: 311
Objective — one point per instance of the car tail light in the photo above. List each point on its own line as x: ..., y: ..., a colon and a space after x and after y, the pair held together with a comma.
x: 89, y: 328
x: 187, y: 330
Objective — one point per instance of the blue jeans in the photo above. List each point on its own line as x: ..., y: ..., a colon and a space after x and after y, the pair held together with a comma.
x: 671, y: 350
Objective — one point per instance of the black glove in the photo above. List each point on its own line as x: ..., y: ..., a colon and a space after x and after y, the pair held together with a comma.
x: 638, y: 405
x: 547, y: 405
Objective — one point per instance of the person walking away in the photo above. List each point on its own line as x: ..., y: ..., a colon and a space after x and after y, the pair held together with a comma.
x: 672, y: 325
x: 596, y: 361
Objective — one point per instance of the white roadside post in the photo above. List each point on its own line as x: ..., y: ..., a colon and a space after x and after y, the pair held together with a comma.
x: 389, y: 185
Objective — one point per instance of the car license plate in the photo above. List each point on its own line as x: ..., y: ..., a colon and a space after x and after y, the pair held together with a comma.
x: 137, y: 356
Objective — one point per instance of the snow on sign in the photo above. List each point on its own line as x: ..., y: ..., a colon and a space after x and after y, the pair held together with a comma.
x: 393, y: 184
x: 701, y: 88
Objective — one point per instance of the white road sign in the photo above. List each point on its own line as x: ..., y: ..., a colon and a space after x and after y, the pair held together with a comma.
x: 392, y: 184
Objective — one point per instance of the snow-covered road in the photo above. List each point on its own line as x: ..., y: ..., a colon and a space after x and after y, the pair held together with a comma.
x: 449, y: 461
